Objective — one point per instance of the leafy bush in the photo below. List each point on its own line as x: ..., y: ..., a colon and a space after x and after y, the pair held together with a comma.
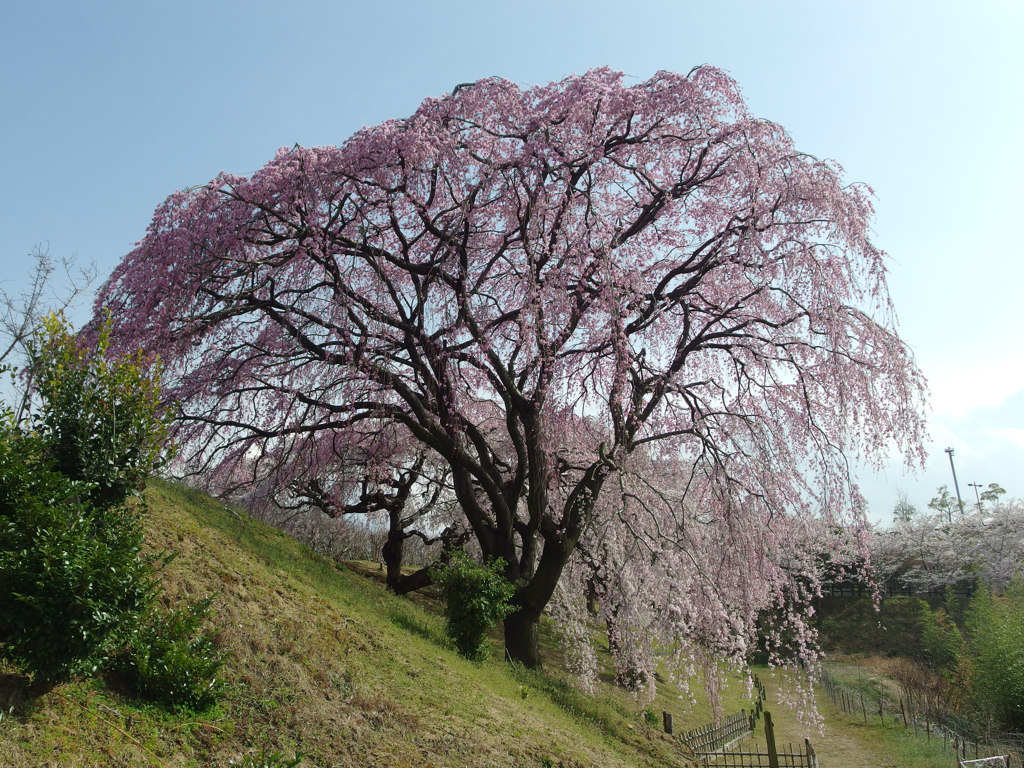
x: 72, y: 578
x: 475, y: 597
x: 170, y: 659
x: 100, y: 417
x: 942, y: 643
x: 70, y: 574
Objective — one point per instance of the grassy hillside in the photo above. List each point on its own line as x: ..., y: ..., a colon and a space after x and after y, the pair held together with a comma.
x: 326, y: 663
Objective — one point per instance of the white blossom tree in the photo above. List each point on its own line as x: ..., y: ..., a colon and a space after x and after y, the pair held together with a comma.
x: 930, y: 551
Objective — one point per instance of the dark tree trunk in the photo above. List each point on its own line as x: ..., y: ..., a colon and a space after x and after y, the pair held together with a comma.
x: 392, y: 553
x: 403, y: 585
x: 521, y: 641
x: 593, y: 607
x: 40, y: 688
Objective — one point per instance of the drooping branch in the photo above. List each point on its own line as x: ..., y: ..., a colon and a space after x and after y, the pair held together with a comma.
x: 539, y: 287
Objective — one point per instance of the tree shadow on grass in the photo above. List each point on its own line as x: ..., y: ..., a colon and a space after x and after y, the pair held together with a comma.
x: 428, y: 630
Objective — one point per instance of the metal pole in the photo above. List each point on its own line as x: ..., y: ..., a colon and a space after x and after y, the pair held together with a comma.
x: 976, y: 486
x: 955, y: 483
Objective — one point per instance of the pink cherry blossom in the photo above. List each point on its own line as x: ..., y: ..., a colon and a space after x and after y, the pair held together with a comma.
x: 647, y: 336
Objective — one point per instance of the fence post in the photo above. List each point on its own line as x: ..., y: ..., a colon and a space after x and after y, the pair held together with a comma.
x: 769, y: 737
x: 666, y: 720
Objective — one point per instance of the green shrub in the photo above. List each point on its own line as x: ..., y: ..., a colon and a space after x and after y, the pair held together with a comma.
x: 171, y: 659
x: 70, y: 574
x: 475, y: 597
x: 72, y: 579
x: 100, y: 417
x: 942, y: 644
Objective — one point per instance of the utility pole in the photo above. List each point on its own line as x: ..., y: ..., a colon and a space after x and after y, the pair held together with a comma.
x: 976, y: 486
x: 955, y: 483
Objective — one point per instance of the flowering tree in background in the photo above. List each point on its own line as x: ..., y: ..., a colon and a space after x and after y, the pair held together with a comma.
x: 645, y: 334
x: 930, y: 551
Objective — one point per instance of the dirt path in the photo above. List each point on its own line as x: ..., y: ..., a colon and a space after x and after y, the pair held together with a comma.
x: 845, y: 743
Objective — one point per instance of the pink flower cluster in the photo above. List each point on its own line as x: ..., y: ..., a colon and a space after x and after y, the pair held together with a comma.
x: 646, y: 335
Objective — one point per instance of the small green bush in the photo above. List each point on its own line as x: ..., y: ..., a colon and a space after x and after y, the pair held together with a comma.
x: 100, y: 417
x: 172, y: 660
x: 70, y: 574
x: 942, y: 643
x: 475, y: 597
x: 72, y: 577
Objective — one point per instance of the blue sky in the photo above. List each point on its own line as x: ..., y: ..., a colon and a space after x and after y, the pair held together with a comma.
x: 107, y: 107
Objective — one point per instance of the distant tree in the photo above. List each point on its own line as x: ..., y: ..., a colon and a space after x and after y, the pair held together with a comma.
x: 54, y: 285
x: 551, y: 289
x: 946, y: 504
x: 933, y: 550
x: 992, y: 495
x: 904, y: 509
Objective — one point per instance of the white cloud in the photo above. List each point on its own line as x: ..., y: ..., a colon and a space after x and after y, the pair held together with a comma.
x: 980, y: 383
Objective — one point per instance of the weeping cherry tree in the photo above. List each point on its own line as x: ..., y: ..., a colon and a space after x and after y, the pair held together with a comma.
x: 647, y: 336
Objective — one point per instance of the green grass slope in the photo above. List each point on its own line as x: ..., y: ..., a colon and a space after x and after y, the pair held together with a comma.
x: 323, y: 662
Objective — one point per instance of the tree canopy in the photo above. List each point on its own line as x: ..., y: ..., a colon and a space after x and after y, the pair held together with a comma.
x: 645, y: 333
x: 985, y: 543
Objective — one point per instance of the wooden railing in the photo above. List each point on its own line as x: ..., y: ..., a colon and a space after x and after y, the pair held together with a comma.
x: 711, y: 743
x: 875, y: 703
x: 718, y: 736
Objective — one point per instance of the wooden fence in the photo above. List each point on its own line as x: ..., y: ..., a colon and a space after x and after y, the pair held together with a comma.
x: 712, y: 743
x: 912, y: 714
x: 719, y: 736
x: 771, y: 757
x: 895, y: 588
